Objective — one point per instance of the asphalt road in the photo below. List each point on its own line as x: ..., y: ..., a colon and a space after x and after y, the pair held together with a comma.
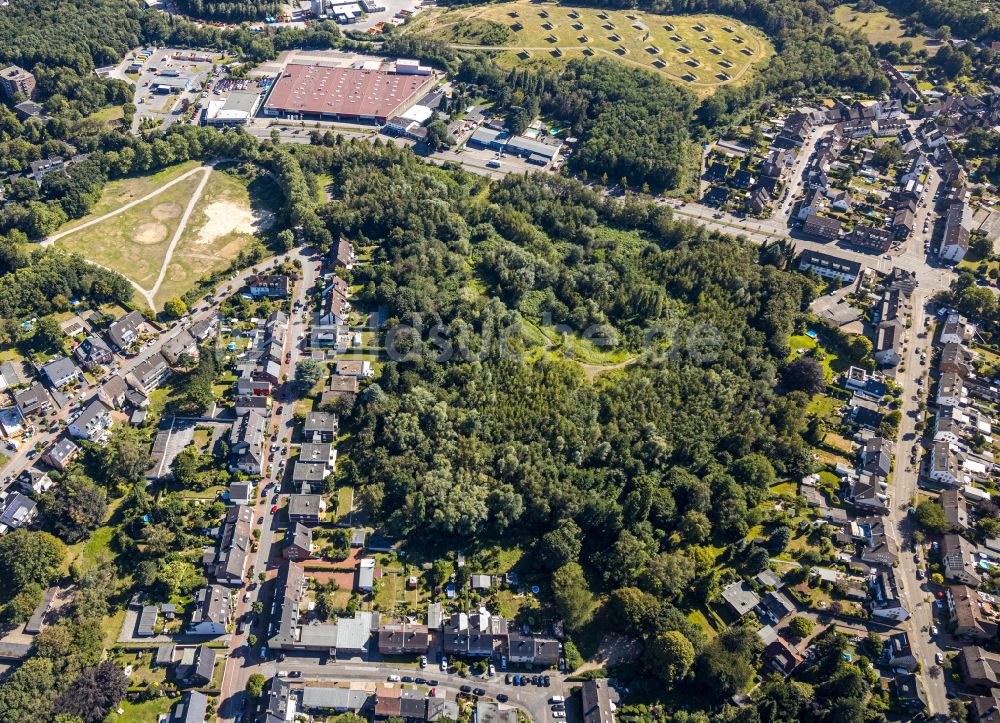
x: 243, y: 661
x: 918, y: 594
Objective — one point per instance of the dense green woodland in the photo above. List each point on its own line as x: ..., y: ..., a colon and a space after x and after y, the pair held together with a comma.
x: 624, y: 485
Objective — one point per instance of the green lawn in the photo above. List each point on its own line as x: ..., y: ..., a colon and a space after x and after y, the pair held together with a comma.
x: 142, y: 712
x: 700, y: 51
x: 134, y: 242
x: 880, y: 27
x: 803, y: 344
x: 224, y: 220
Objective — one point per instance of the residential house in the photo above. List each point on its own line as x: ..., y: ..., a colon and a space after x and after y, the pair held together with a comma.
x: 346, y: 257
x: 61, y: 372
x: 438, y: 708
x: 197, y: 665
x: 93, y: 352
x: 902, y: 223
x: 871, y: 238
x: 864, y: 413
x: 876, y: 456
x: 886, y: 603
x: 908, y: 692
x: 868, y: 494
x: 246, y: 443
x: 213, y: 611
x: 366, y: 574
x: 900, y: 652
x: 281, y: 705
x: 181, y: 345
x: 361, y: 368
x: 306, y: 508
x: 956, y: 511
x: 973, y: 615
x: 245, y: 403
x: 944, y: 464
x: 113, y: 392
x: 888, y: 344
x: 298, y: 545
x: 760, y: 200
x: 34, y: 481
x: 148, y: 375
x: 955, y: 358
x: 192, y: 708
x: 958, y: 222
x: 403, y: 639
x: 334, y: 306
x: 10, y: 375
x: 333, y: 337
x: 62, y: 453
x: 822, y: 226
x: 829, y: 266
x: 950, y: 392
x: 33, y: 400
x: 320, y: 427
x: 985, y: 708
x: 227, y: 562
x: 308, y: 478
x: 776, y: 606
x: 956, y: 330
x: 879, y: 547
x: 596, y: 696
x: 272, y: 286
x: 92, y: 423
x: 740, y: 598
x: 242, y: 493
x: 203, y: 330
x: 959, y: 560
x: 18, y: 511
x: 782, y: 657
x: 127, y: 330
x: 979, y: 668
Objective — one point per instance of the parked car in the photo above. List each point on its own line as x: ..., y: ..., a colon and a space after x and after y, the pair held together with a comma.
x: 393, y: 678
x: 479, y: 691
x: 939, y: 658
x: 466, y: 688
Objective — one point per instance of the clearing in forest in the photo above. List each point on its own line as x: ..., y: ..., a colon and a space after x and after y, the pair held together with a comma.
x: 528, y: 32
x: 167, y: 230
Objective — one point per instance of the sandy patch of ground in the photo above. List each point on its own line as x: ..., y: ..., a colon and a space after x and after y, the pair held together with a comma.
x: 163, y: 211
x: 149, y: 234
x: 224, y: 217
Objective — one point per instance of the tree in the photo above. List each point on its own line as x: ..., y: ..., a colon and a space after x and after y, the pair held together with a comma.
x: 889, y: 427
x: 875, y: 645
x: 255, y: 685
x: 757, y: 560
x: 48, y: 335
x: 860, y: 348
x: 669, y: 656
x: 573, y: 598
x: 779, y: 539
x: 174, y: 308
x: 805, y: 374
x: 886, y: 155
x: 800, y: 627
x: 633, y: 610
x: 326, y: 609
x: 438, y: 137
x: 308, y: 374
x: 74, y: 507
x: 561, y: 545
x: 92, y: 696
x: 28, y: 557
x: 930, y: 516
x: 28, y: 693
x: 125, y: 458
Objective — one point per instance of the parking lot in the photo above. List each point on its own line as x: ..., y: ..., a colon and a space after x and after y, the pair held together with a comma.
x: 169, y: 83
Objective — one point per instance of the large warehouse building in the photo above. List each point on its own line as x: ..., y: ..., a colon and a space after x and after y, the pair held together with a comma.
x: 357, y: 94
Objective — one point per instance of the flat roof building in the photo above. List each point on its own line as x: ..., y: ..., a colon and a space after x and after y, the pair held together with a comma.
x: 344, y: 93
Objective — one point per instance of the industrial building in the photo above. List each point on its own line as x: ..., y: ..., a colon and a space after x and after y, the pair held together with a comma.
x: 236, y: 110
x: 353, y: 94
x: 536, y: 152
x: 170, y: 83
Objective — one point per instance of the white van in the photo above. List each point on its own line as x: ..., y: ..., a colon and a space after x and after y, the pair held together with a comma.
x: 557, y: 699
